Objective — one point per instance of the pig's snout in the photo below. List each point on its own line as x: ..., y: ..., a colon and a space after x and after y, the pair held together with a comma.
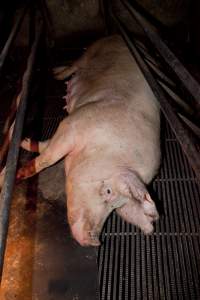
x: 85, y: 237
x: 150, y: 210
x: 141, y: 214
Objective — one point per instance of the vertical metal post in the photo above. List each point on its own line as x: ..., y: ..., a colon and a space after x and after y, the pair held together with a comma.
x: 31, y: 23
x: 11, y: 37
x: 105, y: 12
x: 11, y: 164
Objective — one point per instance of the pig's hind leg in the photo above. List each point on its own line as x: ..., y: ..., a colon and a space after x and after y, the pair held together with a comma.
x: 61, y: 144
x: 61, y: 73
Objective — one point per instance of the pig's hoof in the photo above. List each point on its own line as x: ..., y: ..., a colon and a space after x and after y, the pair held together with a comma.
x: 25, y: 144
x: 58, y: 72
x: 30, y: 145
x: 26, y: 171
x: 61, y: 73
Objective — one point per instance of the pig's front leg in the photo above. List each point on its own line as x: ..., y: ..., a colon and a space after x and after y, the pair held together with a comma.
x: 61, y: 144
x: 34, y: 146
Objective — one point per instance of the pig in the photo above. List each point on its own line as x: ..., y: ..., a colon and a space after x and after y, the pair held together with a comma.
x: 110, y: 141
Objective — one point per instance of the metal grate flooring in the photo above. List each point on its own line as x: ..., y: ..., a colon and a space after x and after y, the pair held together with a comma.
x: 166, y: 264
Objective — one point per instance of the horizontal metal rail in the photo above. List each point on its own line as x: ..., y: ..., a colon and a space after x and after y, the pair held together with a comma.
x: 13, y: 153
x: 188, y: 142
x: 176, y: 66
x: 11, y: 37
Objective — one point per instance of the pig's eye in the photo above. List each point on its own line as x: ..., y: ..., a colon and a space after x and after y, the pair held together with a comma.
x: 108, y: 191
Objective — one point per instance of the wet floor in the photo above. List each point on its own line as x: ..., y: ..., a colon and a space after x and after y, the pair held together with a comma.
x: 42, y: 261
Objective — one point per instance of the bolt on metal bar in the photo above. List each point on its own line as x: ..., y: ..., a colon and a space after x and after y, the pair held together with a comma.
x: 11, y: 37
x: 187, y: 141
x: 12, y: 158
x: 181, y: 72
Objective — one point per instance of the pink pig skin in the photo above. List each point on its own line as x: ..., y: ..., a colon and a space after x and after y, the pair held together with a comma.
x: 110, y: 141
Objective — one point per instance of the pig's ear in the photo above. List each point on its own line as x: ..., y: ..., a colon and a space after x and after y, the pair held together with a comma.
x: 134, y: 186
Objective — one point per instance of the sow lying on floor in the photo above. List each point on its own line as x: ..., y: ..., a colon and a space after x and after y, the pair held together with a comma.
x: 110, y: 141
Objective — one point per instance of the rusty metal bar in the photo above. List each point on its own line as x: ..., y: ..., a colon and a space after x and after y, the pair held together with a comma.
x: 188, y: 142
x: 11, y: 164
x: 8, y: 129
x: 11, y: 37
x: 181, y: 72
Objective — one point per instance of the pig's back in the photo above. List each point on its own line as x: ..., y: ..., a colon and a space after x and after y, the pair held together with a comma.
x: 106, y: 71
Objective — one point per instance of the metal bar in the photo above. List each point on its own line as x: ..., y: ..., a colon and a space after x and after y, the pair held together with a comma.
x: 32, y: 15
x: 182, y: 73
x: 8, y: 129
x: 169, y: 87
x: 49, y: 27
x: 104, y: 9
x: 11, y: 37
x: 188, y: 142
x: 11, y: 164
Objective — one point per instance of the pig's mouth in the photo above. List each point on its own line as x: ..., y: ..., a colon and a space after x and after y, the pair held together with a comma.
x: 85, y: 237
x: 94, y: 238
x: 140, y: 214
x: 91, y: 239
x: 86, y: 231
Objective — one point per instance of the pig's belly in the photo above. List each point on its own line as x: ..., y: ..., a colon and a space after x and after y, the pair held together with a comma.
x: 117, y: 130
x: 116, y: 111
x: 112, y: 76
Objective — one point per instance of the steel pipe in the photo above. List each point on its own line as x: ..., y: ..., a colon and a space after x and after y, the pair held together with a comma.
x: 11, y: 37
x: 188, y: 142
x: 104, y: 9
x: 13, y: 153
x: 8, y: 129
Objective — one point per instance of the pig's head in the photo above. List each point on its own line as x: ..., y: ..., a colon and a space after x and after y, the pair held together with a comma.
x: 140, y: 209
x: 88, y: 206
x: 89, y: 203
